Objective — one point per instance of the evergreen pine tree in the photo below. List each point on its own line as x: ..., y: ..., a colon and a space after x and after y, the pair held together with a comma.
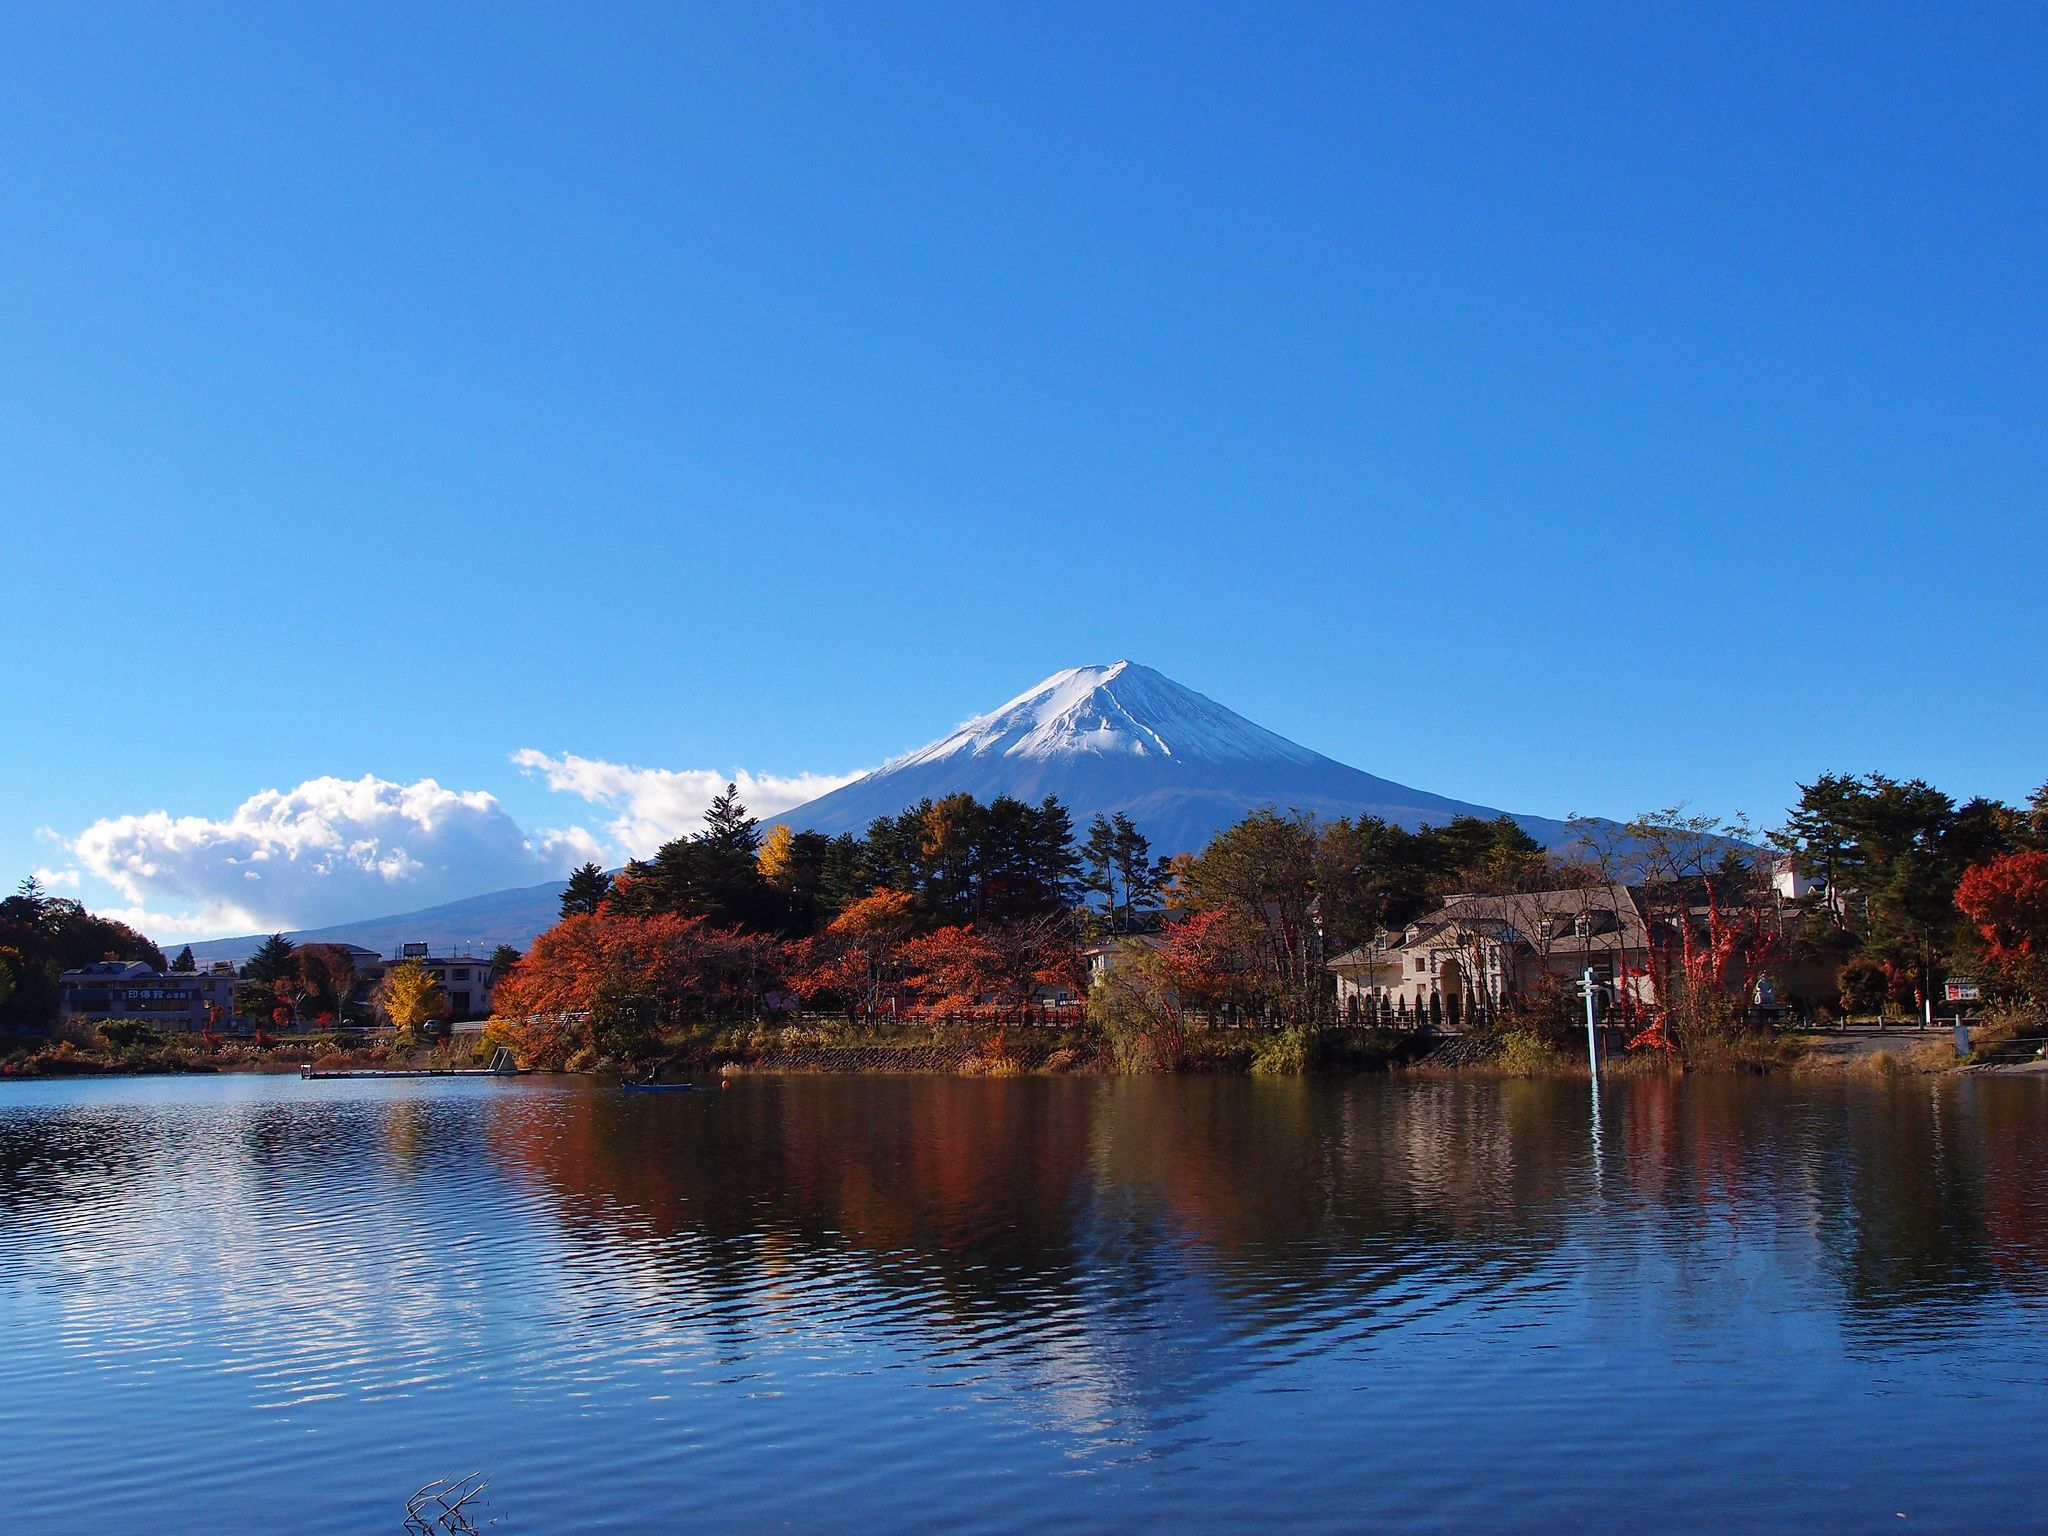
x: 587, y: 888
x: 184, y: 965
x: 1099, y: 869
x: 728, y: 827
x: 1136, y: 870
x: 273, y: 958
x: 1055, y: 865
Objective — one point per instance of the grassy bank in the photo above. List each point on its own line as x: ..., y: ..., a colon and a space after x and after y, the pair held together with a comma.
x: 80, y: 1052
x: 837, y: 1046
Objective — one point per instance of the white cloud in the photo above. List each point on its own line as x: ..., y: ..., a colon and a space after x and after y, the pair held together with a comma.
x: 657, y: 804
x: 57, y: 879
x: 328, y: 851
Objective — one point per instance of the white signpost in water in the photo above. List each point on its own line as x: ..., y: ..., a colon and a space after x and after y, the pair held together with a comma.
x: 1592, y: 1030
x: 1593, y: 1061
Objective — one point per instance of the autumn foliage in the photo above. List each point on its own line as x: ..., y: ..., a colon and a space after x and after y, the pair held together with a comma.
x: 858, y: 962
x: 872, y: 961
x: 687, y: 969
x: 410, y: 996
x: 2006, y: 902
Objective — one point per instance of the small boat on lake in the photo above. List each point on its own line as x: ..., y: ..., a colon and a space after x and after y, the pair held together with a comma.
x: 666, y: 1087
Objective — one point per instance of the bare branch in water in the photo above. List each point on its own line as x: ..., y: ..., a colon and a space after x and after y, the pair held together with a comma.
x: 437, y: 1508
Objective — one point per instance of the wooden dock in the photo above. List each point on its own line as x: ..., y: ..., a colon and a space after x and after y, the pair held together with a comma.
x: 500, y: 1065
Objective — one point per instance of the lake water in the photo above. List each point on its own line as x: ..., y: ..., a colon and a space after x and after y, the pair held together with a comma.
x: 885, y: 1304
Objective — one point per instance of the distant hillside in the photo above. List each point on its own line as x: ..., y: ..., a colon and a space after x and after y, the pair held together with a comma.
x: 481, y: 923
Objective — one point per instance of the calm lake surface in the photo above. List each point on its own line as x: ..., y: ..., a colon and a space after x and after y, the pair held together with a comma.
x: 1083, y: 1305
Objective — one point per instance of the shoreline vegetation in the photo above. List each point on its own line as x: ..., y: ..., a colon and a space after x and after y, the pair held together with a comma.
x: 997, y: 939
x: 835, y: 1047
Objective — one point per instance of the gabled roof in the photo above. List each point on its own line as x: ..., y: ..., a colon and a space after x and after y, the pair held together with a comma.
x: 111, y: 970
x: 1521, y: 917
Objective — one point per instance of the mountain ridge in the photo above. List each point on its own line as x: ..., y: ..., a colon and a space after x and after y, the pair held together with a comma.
x: 512, y: 916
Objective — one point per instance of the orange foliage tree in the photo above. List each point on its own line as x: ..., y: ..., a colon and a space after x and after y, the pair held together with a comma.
x: 859, y: 962
x: 952, y: 970
x: 685, y: 970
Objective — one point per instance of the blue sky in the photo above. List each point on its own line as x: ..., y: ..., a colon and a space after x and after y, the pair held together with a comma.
x: 1564, y: 408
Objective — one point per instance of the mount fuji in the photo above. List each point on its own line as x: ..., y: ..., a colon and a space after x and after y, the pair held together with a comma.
x: 1104, y: 739
x: 1126, y: 738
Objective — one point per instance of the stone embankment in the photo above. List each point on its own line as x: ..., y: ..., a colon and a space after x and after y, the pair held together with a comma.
x: 1017, y: 1053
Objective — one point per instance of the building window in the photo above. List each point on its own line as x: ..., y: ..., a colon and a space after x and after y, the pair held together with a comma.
x: 1421, y: 965
x: 463, y: 974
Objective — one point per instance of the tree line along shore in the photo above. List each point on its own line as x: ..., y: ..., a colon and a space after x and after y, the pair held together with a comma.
x: 999, y: 937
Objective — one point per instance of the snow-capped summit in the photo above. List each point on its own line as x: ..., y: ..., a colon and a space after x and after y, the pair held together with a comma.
x: 1122, y: 709
x: 1125, y: 738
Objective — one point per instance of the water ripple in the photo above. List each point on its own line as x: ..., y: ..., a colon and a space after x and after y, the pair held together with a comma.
x: 1001, y: 1306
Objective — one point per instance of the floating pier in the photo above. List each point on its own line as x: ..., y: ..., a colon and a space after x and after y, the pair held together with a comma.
x: 500, y: 1065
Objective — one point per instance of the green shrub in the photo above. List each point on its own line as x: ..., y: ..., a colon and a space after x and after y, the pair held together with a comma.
x: 1136, y: 1016
x: 1523, y: 1053
x: 1284, y: 1055
x: 1863, y: 985
x: 123, y: 1033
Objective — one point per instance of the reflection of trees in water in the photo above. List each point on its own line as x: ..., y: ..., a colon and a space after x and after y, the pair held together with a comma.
x: 951, y: 1185
x: 1946, y: 1196
x: 1000, y: 1202
x: 1160, y: 1227
x: 1153, y: 1230
x: 62, y: 1156
x: 1878, y: 1197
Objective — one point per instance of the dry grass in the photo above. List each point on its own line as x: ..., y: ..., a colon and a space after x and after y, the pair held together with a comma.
x: 1934, y: 1056
x: 1907, y: 1061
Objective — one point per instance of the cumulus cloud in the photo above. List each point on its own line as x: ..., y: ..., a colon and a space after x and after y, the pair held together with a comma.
x: 328, y: 851
x: 656, y: 804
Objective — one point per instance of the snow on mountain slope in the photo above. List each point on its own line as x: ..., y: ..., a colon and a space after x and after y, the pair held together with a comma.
x: 1121, y: 709
x: 1126, y: 738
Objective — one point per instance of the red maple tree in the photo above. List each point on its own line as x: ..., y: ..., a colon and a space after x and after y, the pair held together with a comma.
x: 2006, y: 901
